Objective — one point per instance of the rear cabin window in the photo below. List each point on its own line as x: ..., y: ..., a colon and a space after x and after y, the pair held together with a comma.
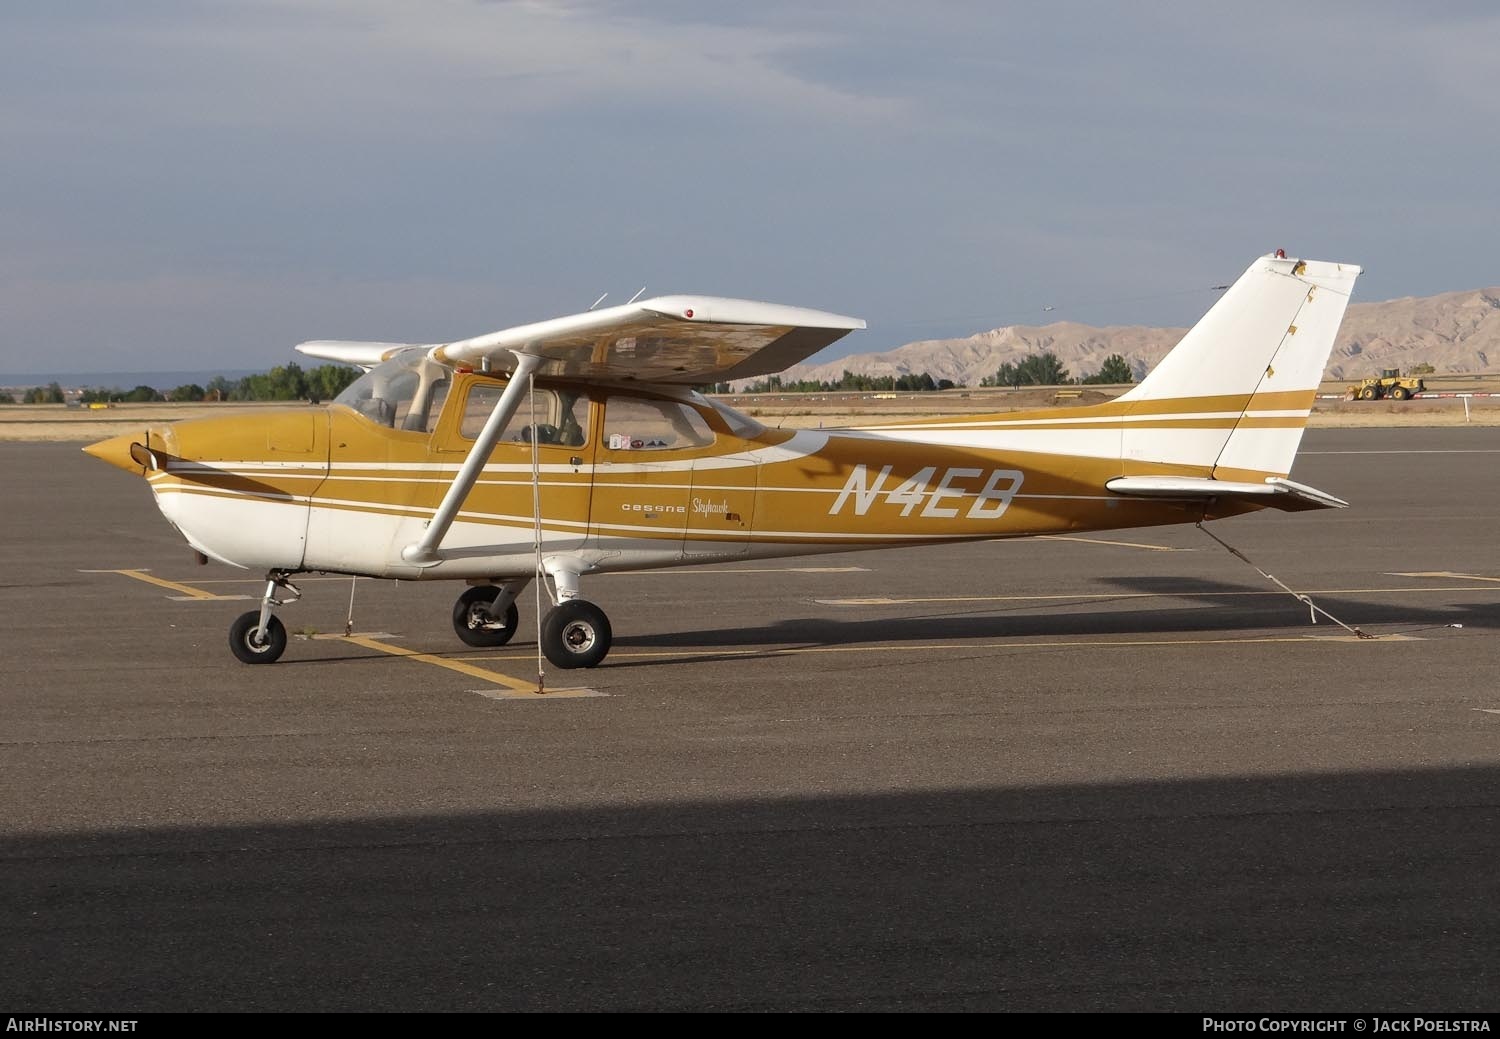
x: 641, y: 424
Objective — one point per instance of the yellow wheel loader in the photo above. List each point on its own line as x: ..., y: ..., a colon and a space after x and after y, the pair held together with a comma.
x: 1390, y: 383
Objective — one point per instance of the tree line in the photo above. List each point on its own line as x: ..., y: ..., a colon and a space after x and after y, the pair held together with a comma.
x: 291, y: 382
x: 284, y: 382
x: 850, y: 381
x: 1045, y: 369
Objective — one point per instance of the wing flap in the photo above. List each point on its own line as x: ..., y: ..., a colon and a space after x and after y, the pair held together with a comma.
x: 1276, y: 493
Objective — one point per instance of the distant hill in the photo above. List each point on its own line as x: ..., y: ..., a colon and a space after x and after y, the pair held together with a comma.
x: 1455, y: 332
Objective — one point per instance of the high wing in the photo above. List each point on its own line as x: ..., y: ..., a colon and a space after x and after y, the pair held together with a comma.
x: 366, y: 355
x: 689, y: 340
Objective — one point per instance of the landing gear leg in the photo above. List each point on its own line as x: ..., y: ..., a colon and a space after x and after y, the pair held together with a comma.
x: 575, y: 633
x: 259, y: 637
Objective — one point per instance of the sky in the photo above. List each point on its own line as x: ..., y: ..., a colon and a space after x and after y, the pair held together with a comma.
x: 200, y: 186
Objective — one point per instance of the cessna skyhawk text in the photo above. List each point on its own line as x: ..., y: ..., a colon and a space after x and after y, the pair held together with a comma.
x: 577, y: 446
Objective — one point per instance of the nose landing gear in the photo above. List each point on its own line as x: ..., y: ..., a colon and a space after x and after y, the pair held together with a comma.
x: 259, y: 637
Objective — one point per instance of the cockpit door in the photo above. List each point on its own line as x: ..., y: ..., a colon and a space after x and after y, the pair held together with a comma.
x: 643, y: 476
x: 672, y: 481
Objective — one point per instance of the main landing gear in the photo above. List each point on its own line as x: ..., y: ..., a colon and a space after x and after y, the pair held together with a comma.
x: 486, y: 615
x: 575, y: 632
x: 259, y: 637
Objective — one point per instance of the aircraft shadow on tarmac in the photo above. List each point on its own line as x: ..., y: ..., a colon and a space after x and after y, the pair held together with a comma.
x: 1219, y: 608
x: 1353, y: 891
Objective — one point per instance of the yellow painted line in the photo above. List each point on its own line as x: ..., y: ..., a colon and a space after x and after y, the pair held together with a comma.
x: 517, y: 689
x: 1444, y: 573
x: 1184, y: 594
x: 1117, y: 544
x: 452, y: 665
x: 186, y: 590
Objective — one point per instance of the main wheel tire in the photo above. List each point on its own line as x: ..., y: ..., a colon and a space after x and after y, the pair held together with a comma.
x: 242, y: 641
x: 1400, y: 393
x: 473, y: 623
x: 576, y: 634
x: 1369, y: 393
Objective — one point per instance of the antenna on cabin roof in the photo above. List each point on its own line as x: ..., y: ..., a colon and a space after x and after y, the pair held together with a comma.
x: 597, y: 301
x: 637, y: 295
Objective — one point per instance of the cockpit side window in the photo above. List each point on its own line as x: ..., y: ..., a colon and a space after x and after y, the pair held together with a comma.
x: 646, y: 424
x: 553, y: 417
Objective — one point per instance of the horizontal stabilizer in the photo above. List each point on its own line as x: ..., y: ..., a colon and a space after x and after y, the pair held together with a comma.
x: 1276, y: 493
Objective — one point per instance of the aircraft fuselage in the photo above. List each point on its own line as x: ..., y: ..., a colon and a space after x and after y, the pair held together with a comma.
x: 329, y: 489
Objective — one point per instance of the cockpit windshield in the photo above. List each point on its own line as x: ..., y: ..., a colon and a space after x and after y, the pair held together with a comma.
x: 405, y: 392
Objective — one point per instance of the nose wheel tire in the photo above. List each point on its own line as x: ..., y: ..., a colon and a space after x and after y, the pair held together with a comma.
x: 244, y: 645
x: 576, y: 634
x: 473, y: 623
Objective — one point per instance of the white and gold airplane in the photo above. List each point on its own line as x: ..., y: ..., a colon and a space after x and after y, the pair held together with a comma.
x: 577, y: 446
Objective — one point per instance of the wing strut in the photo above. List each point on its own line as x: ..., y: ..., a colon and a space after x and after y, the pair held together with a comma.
x: 425, y: 551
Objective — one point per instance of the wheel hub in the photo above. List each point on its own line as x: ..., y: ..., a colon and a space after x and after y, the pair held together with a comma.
x: 480, y: 619
x: 578, y: 637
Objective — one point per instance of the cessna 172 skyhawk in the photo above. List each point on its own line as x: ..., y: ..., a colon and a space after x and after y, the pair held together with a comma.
x: 577, y: 446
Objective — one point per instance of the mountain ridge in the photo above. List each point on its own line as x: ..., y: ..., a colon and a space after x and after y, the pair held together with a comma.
x: 1455, y: 332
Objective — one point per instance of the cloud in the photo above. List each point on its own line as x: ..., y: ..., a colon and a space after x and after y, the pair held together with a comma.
x: 249, y: 174
x: 357, y: 67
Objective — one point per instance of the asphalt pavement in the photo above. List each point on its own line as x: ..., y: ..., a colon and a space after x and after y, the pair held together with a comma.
x: 1122, y: 771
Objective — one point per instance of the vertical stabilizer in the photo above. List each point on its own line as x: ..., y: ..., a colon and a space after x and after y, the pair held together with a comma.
x: 1232, y: 398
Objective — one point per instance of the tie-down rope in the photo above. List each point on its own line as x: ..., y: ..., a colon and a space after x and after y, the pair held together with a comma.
x: 1313, y: 608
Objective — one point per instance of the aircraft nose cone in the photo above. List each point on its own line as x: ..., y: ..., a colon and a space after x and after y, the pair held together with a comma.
x: 116, y: 451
